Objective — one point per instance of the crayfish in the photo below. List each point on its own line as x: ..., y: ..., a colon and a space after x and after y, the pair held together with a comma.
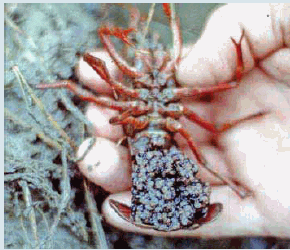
x: 166, y: 194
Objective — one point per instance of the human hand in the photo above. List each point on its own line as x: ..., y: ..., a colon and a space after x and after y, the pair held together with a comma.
x: 255, y: 153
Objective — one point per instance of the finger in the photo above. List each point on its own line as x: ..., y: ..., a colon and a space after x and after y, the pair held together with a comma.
x: 198, y: 133
x: 105, y: 164
x: 215, y: 161
x: 257, y: 92
x: 228, y: 144
x: 238, y: 218
x: 261, y: 154
x: 277, y: 66
x: 91, y: 79
x: 250, y: 100
x: 100, y: 116
x: 213, y: 58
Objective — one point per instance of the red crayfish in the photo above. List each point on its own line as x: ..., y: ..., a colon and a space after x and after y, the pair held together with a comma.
x: 166, y: 194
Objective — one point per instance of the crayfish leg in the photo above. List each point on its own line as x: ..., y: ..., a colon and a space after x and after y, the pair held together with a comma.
x: 180, y: 93
x: 100, y: 67
x: 240, y: 62
x: 169, y: 10
x: 85, y: 95
x: 105, y: 33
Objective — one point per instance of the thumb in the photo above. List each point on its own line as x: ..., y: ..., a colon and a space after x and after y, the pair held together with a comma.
x: 238, y: 217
